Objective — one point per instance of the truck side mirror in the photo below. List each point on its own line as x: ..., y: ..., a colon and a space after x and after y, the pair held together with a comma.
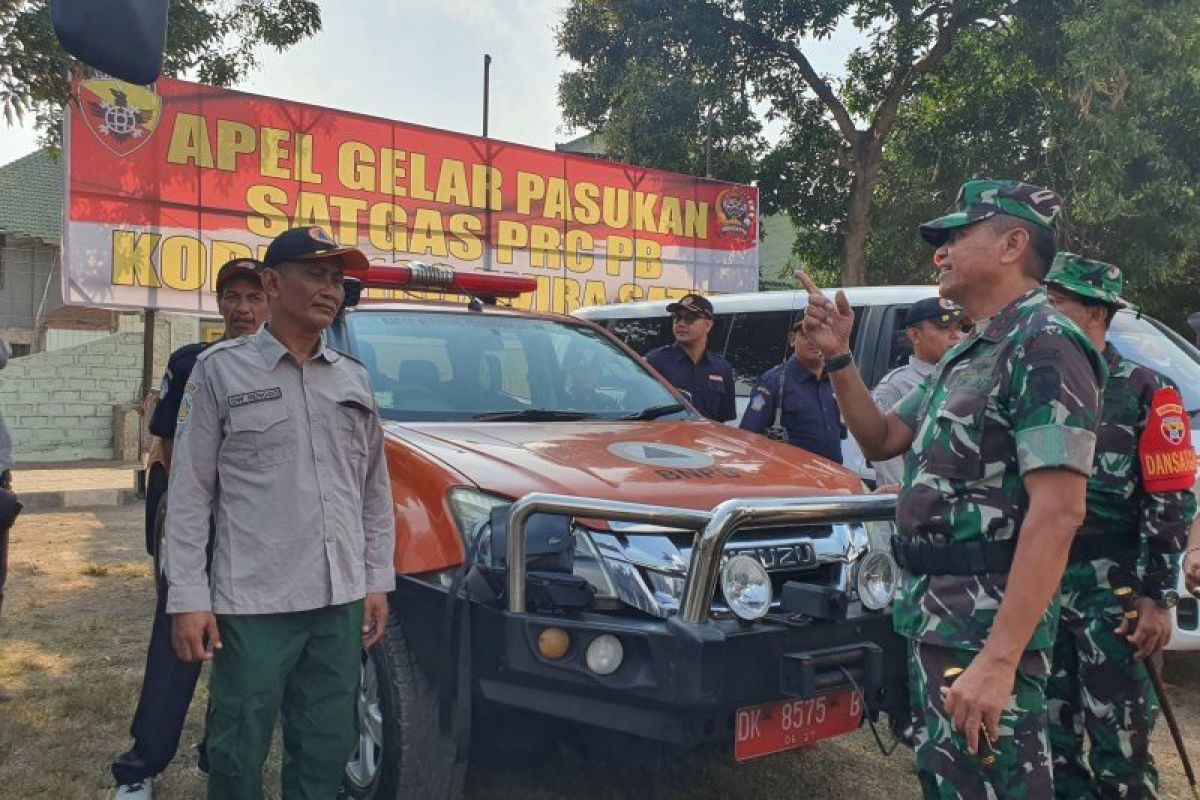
x: 123, y: 38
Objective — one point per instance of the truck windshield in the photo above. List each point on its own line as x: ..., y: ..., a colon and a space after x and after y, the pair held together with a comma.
x: 1154, y: 345
x: 428, y: 366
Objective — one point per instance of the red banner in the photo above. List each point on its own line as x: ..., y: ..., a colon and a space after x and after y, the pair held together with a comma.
x: 166, y: 183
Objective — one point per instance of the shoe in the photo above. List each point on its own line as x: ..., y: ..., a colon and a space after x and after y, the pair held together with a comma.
x: 143, y: 790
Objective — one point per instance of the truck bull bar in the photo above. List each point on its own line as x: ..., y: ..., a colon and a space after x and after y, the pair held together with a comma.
x: 713, y: 529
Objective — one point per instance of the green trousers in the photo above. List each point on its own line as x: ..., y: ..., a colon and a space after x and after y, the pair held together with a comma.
x: 945, y: 768
x: 304, y: 664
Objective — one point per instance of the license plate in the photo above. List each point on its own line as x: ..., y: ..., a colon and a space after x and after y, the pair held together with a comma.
x: 775, y: 727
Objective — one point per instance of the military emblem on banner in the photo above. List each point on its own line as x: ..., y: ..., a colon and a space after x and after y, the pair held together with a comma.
x: 122, y: 115
x: 735, y: 212
x: 1173, y: 428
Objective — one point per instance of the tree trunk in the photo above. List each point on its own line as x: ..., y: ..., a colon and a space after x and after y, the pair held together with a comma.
x: 858, y: 218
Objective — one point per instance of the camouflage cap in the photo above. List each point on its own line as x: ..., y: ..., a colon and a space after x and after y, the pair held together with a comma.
x: 980, y: 200
x: 1087, y: 278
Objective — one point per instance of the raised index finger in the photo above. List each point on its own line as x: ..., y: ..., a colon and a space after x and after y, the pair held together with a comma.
x: 807, y: 282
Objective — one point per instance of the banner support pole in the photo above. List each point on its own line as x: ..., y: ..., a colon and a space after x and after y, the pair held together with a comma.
x: 148, y: 352
x: 487, y: 188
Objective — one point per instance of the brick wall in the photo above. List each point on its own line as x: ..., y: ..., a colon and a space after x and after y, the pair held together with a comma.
x: 58, y: 405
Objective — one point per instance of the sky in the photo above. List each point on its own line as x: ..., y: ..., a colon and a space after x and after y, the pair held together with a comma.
x: 423, y: 63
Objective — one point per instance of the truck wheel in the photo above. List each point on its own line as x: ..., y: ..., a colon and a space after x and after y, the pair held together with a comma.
x: 400, y: 751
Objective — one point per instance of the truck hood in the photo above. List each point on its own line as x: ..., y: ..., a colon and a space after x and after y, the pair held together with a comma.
x: 686, y: 464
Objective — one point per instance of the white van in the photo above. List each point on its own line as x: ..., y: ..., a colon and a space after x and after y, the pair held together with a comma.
x: 751, y: 332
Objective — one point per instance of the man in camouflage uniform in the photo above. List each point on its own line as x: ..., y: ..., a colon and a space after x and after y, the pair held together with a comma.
x: 1139, y: 498
x: 1002, y: 442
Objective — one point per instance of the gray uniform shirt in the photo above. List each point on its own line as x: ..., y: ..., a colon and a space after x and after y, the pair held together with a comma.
x: 891, y: 388
x: 6, y: 460
x: 289, y: 458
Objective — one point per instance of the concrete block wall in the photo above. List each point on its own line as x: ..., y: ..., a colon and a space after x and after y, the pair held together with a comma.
x: 58, y: 405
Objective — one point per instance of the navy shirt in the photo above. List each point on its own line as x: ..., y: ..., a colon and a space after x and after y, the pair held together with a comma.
x: 709, y: 381
x: 810, y: 412
x: 179, y: 369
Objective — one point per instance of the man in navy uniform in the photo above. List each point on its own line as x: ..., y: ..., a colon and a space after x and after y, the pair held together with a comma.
x: 168, y: 683
x: 809, y: 418
x: 690, y: 366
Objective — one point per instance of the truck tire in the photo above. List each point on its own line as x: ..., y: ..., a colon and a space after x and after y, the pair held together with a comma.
x: 401, y: 752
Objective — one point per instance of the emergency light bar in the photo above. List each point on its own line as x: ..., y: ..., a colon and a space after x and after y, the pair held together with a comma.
x: 416, y: 276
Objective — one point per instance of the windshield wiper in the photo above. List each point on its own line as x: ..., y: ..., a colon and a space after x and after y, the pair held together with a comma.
x: 533, y: 415
x: 654, y: 412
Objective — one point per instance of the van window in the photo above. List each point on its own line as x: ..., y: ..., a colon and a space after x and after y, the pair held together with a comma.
x: 1151, y: 344
x: 757, y: 342
x: 899, y: 347
x: 643, y: 334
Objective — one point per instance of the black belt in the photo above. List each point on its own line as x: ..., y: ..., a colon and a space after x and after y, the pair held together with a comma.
x: 953, y: 558
x: 1117, y: 546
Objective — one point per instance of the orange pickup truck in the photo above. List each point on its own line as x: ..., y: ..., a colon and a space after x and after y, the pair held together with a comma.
x: 574, y: 541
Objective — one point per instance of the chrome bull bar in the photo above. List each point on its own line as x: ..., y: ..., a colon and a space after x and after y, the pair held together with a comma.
x: 713, y: 530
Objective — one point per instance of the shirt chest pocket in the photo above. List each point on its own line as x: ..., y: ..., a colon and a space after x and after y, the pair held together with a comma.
x: 261, y: 434
x: 953, y: 440
x: 354, y: 414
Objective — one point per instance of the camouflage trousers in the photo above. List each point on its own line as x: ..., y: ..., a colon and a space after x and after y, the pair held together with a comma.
x: 1099, y: 690
x: 946, y: 769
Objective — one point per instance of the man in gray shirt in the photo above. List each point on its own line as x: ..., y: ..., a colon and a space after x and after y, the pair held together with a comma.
x: 279, y: 438
x: 932, y: 326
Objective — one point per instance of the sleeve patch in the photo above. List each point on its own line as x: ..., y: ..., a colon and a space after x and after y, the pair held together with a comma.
x: 1165, y: 447
x: 185, y: 403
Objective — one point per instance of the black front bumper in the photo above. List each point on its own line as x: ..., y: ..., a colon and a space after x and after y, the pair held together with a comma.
x: 682, y: 684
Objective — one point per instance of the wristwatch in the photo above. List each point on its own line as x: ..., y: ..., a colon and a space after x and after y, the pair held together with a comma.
x: 1164, y: 598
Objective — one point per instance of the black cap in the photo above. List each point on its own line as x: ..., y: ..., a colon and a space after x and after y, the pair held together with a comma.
x: 306, y: 244
x: 692, y: 304
x: 937, y: 310
x: 248, y: 268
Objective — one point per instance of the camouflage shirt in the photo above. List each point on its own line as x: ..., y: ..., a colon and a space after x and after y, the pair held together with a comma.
x: 1156, y: 522
x: 1021, y: 393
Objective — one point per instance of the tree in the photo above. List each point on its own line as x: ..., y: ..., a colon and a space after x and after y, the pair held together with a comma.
x: 707, y: 63
x: 1059, y: 97
x: 215, y: 39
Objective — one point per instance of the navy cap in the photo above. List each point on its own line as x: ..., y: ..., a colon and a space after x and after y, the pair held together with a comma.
x: 693, y: 304
x: 248, y: 268
x: 937, y: 310
x: 307, y: 244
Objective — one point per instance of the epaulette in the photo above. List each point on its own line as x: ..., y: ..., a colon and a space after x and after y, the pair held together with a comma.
x: 221, y: 346
x: 344, y: 354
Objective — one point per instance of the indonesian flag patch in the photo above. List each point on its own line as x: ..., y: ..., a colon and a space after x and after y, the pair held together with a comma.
x: 1165, y: 449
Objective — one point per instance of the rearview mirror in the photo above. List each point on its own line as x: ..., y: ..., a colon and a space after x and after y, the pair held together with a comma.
x: 123, y: 38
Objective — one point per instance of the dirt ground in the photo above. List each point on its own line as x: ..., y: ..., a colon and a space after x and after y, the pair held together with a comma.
x: 73, y: 634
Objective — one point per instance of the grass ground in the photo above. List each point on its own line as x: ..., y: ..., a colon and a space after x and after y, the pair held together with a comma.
x: 72, y: 643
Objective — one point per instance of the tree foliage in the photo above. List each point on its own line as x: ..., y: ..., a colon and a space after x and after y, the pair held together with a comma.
x: 1094, y: 98
x: 214, y: 40
x: 674, y: 85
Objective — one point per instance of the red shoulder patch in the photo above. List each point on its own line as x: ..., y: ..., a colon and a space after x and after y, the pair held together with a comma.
x: 1165, y: 449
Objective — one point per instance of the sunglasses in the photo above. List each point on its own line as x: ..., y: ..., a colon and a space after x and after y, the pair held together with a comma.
x: 687, y: 319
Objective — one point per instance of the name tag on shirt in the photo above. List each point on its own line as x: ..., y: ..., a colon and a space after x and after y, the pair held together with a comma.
x: 257, y: 396
x: 717, y: 378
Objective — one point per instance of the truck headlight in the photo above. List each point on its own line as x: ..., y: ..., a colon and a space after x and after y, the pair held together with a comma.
x: 876, y: 580
x: 471, y: 508
x: 746, y: 587
x: 589, y: 565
